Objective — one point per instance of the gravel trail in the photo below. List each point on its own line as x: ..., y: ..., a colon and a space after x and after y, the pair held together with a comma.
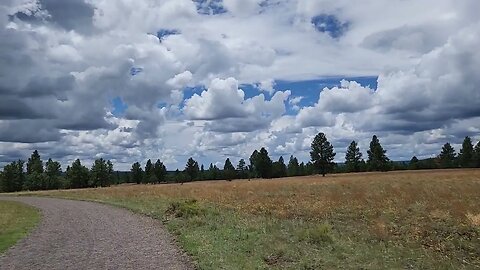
x: 87, y: 235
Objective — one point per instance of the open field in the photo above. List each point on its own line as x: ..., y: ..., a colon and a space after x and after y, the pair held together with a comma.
x: 16, y: 220
x: 413, y: 220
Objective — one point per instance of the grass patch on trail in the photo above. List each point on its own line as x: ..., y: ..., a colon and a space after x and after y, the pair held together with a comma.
x: 16, y: 221
x: 396, y: 220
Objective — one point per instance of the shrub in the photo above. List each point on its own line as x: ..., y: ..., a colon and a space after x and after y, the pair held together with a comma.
x: 186, y: 209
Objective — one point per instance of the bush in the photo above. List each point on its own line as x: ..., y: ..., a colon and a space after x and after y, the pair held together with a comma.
x: 186, y: 209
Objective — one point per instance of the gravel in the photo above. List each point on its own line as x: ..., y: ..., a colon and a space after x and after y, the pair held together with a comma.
x: 86, y: 235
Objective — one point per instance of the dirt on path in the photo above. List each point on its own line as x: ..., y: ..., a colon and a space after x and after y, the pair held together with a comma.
x: 87, y: 235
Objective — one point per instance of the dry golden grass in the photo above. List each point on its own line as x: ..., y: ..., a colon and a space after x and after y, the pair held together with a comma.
x: 439, y: 193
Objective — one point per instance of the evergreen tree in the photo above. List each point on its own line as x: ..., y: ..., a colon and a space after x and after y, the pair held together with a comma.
x: 283, y: 167
x: 476, y: 155
x: 101, y: 173
x: 192, y: 169
x: 353, y: 158
x: 253, y: 160
x: 202, y: 172
x: 293, y: 167
x: 137, y: 172
x: 377, y: 158
x: 211, y: 173
x: 160, y: 171
x: 414, y: 163
x: 465, y: 157
x: 302, y: 170
x: 53, y: 173
x: 228, y: 170
x: 447, y: 156
x: 34, y: 163
x: 242, y: 169
x: 262, y: 163
x: 13, y: 177
x: 279, y: 169
x: 77, y: 175
x: 149, y: 172
x: 322, y: 154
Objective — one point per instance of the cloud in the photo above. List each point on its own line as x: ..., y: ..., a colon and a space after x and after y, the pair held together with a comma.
x: 63, y: 62
x: 221, y: 100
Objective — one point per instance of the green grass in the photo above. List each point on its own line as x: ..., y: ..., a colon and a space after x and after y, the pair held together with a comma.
x: 16, y: 221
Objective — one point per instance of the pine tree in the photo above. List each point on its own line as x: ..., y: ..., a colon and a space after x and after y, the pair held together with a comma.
x: 192, y: 169
x: 377, y: 158
x: 253, y: 160
x: 202, y: 173
x: 228, y: 170
x: 262, y: 164
x: 242, y: 169
x: 149, y: 172
x: 353, y: 158
x: 101, y: 173
x: 322, y: 154
x: 279, y: 168
x: 160, y: 171
x: 77, y: 175
x: 13, y: 177
x: 414, y: 163
x: 137, y: 172
x: 447, y: 156
x: 302, y: 170
x: 53, y: 172
x: 34, y: 164
x: 293, y: 168
x: 465, y: 157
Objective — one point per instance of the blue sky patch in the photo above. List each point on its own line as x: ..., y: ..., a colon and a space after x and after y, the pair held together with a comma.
x: 330, y: 24
x: 119, y: 107
x: 210, y: 7
x: 162, y: 33
x: 135, y: 71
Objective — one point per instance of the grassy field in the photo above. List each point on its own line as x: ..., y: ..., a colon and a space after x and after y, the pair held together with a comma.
x: 394, y: 220
x: 16, y: 220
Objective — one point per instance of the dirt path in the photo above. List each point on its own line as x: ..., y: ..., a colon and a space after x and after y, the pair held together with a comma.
x: 86, y: 235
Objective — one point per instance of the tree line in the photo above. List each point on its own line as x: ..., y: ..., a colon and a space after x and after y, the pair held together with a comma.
x: 40, y: 176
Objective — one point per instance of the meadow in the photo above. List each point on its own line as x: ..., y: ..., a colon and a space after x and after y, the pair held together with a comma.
x: 16, y: 221
x: 394, y: 220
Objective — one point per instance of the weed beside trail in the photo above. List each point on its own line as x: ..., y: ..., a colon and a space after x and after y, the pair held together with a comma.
x: 402, y: 220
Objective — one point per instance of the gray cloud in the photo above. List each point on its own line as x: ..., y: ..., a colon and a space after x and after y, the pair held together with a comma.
x: 68, y: 14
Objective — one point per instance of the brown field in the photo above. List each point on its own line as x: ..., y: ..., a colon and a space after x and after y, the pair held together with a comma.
x: 455, y: 193
x: 435, y: 212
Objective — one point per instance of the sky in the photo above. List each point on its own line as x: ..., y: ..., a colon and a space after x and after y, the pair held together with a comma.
x: 131, y: 80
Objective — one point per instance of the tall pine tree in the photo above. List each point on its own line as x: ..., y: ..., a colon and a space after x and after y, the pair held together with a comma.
x: 160, y: 171
x: 137, y: 172
x: 192, y: 169
x: 228, y: 170
x: 447, y: 156
x: 77, y: 175
x: 35, y: 163
x: 377, y: 158
x: 293, y: 168
x: 149, y: 172
x: 465, y: 157
x: 353, y: 157
x: 322, y: 154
